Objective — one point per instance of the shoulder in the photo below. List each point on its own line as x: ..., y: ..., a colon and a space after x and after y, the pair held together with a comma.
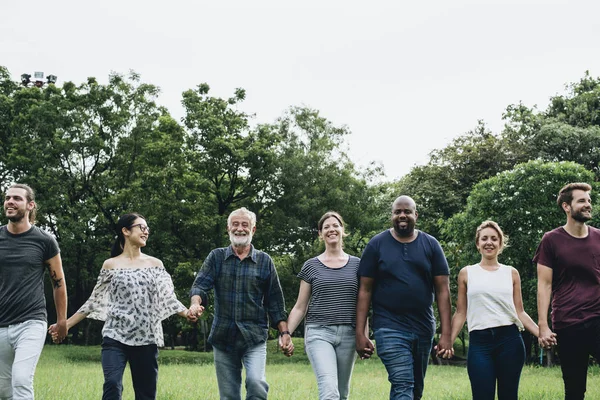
x: 379, y: 238
x: 594, y: 231
x: 311, y: 262
x: 46, y: 236
x: 513, y: 272
x: 155, y: 262
x: 353, y: 260
x: 554, y: 233
x: 463, y: 274
x: 110, y: 263
x: 430, y: 239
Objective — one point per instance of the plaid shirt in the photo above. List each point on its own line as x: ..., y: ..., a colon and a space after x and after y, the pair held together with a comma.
x: 246, y: 291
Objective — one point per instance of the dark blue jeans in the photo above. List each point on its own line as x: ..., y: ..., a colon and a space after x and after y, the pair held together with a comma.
x: 496, y: 356
x: 405, y: 356
x: 575, y: 345
x: 143, y: 363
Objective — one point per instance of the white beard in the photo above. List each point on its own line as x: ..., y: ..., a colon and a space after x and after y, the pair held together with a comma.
x: 240, y: 241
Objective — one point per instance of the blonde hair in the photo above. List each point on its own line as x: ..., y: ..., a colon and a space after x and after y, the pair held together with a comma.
x: 496, y: 227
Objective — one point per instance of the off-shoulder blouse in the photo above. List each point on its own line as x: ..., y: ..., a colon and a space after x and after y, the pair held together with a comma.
x: 133, y: 302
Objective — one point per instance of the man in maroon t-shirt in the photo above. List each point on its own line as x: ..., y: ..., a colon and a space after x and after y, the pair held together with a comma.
x: 568, y: 268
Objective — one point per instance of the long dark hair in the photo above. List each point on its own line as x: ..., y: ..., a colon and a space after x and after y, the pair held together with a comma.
x: 125, y: 221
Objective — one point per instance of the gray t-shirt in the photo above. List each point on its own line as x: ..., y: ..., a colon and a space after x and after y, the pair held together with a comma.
x: 22, y: 263
x: 333, y: 292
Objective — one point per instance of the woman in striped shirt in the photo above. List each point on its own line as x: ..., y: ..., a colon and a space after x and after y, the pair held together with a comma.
x: 327, y: 297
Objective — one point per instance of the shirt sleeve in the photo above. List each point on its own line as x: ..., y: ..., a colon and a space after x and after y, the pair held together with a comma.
x: 96, y: 307
x: 439, y: 264
x: 306, y: 273
x: 369, y: 262
x: 51, y: 249
x: 544, y: 252
x: 167, y: 301
x: 274, y: 300
x: 205, y: 279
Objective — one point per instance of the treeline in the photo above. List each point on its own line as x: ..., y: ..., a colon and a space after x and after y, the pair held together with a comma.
x: 94, y: 151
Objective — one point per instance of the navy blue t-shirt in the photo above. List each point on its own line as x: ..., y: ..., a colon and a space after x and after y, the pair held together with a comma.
x: 403, y: 289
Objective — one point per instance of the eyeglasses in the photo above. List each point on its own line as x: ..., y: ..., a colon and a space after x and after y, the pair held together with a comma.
x: 143, y: 228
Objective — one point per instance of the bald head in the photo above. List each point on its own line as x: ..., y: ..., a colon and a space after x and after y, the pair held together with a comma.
x: 405, y: 200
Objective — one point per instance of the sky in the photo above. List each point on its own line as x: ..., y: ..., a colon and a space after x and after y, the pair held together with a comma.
x: 404, y: 77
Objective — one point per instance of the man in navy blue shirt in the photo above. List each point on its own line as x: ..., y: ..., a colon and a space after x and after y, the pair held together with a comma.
x: 401, y: 271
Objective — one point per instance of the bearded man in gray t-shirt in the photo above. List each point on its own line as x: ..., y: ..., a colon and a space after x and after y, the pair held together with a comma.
x: 25, y: 250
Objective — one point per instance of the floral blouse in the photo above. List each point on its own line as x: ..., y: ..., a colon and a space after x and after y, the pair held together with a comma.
x: 133, y: 302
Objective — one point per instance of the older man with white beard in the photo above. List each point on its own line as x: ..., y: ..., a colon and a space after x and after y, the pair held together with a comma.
x: 247, y: 294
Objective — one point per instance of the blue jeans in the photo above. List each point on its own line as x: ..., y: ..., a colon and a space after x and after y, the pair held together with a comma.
x: 496, y: 356
x: 20, y: 348
x: 331, y: 350
x: 575, y: 345
x: 405, y: 356
x: 228, y: 365
x: 143, y: 363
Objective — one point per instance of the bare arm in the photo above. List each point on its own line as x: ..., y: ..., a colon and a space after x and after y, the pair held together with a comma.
x: 299, y: 311
x: 442, y: 295
x: 546, y: 337
x: 59, y: 291
x: 460, y: 315
x: 364, y: 346
x: 525, y: 319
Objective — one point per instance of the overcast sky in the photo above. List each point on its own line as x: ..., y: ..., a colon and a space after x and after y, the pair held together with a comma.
x: 405, y: 77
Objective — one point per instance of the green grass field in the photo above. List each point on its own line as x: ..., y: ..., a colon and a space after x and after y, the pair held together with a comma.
x: 74, y: 373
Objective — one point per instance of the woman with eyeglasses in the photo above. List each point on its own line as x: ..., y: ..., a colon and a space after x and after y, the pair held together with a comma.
x: 133, y: 294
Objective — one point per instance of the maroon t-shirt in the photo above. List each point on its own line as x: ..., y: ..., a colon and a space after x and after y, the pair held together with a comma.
x: 575, y: 264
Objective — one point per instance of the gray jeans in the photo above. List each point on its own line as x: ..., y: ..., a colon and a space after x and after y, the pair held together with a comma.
x: 20, y: 348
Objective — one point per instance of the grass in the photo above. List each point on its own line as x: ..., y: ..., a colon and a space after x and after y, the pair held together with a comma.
x: 74, y: 373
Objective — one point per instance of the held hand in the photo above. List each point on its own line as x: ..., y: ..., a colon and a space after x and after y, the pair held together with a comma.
x: 285, y: 342
x: 190, y: 317
x: 546, y: 338
x: 58, y: 331
x: 364, y: 347
x: 444, y: 348
x: 195, y: 312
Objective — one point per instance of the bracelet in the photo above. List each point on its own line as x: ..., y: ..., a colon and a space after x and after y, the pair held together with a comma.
x: 285, y: 333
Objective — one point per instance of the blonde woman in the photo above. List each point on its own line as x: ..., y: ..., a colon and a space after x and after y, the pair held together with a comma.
x: 489, y: 299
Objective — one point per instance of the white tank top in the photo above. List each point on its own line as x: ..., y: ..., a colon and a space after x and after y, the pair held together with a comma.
x: 490, y: 298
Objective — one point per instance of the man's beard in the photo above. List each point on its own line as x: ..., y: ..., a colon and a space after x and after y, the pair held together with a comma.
x: 406, y: 231
x: 16, y: 218
x: 240, y: 241
x: 580, y: 217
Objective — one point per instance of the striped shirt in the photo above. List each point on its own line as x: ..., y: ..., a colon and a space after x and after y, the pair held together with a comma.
x: 333, y: 292
x: 246, y: 292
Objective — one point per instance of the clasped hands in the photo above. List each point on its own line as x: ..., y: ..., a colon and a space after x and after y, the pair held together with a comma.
x: 194, y: 312
x: 58, y: 331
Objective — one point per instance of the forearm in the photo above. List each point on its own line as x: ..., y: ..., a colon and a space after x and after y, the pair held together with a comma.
x: 75, y: 319
x: 60, y: 302
x: 296, y: 316
x: 196, y: 300
x: 282, y: 326
x: 529, y: 324
x: 444, y: 307
x: 458, y: 321
x: 543, y: 303
x: 362, y: 311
